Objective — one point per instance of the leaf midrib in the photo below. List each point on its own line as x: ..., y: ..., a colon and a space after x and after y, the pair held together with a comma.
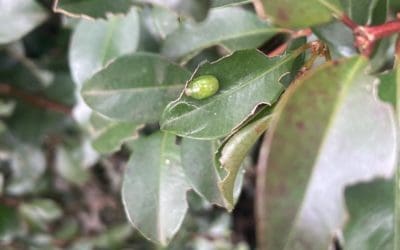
x: 117, y: 91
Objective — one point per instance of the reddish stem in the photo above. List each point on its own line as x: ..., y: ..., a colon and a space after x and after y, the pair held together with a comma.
x: 348, y: 22
x: 398, y: 46
x: 367, y: 36
x: 377, y: 32
x: 37, y: 101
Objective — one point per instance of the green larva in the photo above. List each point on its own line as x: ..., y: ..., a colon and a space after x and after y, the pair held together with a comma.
x: 202, y: 87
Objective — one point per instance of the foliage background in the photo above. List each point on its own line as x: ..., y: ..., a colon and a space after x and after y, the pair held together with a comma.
x: 84, y: 96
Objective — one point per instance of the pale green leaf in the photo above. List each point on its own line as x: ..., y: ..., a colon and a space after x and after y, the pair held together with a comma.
x: 97, y: 42
x: 154, y: 187
x: 18, y: 17
x: 199, y: 166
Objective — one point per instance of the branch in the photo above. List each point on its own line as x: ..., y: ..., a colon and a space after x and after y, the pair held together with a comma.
x: 367, y: 36
x: 38, y: 101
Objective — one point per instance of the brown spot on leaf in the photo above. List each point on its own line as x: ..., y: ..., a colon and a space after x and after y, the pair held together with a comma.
x: 300, y: 125
x: 282, y: 14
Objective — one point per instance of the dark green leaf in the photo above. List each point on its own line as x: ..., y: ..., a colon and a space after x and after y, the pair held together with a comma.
x: 9, y: 223
x: 135, y: 88
x: 244, y: 31
x: 246, y: 78
x: 92, y: 8
x: 366, y: 12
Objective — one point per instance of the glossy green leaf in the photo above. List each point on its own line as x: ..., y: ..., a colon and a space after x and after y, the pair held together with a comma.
x: 92, y: 8
x: 330, y: 130
x: 233, y: 153
x: 135, y: 88
x: 154, y: 187
x: 199, y: 166
x: 109, y: 135
x: 301, y: 14
x: 244, y: 31
x: 18, y: 18
x: 97, y: 42
x: 370, y: 225
x: 246, y: 78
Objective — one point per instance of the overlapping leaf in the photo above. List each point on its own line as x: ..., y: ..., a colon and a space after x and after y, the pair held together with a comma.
x: 196, y: 9
x: 244, y: 31
x: 247, y: 78
x: 371, y: 216
x: 233, y: 153
x: 135, y: 88
x: 199, y: 165
x: 95, y: 43
x: 92, y: 8
x: 108, y: 134
x: 330, y: 131
x: 154, y: 187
